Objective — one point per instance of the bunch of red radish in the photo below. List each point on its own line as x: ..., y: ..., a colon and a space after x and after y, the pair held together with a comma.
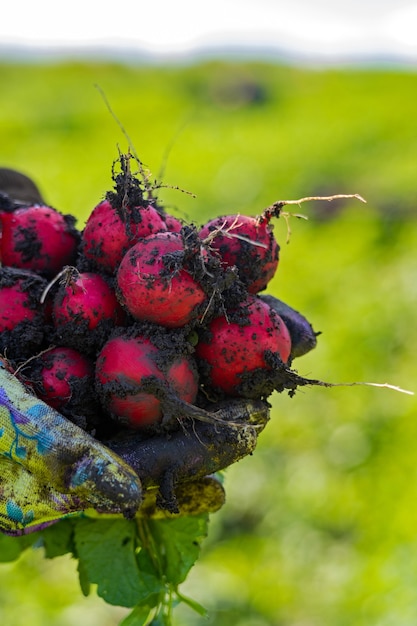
x: 139, y: 315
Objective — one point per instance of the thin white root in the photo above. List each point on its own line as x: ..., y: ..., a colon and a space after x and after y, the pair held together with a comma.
x: 275, y: 209
x: 338, y: 196
x: 64, y: 277
x: 321, y: 383
x: 382, y: 385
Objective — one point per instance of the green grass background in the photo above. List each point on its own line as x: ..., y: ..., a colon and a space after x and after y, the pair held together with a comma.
x: 320, y: 524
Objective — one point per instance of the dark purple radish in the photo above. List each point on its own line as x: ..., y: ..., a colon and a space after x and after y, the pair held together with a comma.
x: 303, y: 337
x: 38, y: 238
x: 240, y: 350
x: 246, y: 243
x: 22, y: 316
x: 85, y: 310
x: 110, y: 232
x: 154, y: 285
x: 139, y: 384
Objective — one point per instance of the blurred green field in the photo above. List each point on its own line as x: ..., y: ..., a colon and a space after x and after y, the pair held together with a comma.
x: 320, y: 524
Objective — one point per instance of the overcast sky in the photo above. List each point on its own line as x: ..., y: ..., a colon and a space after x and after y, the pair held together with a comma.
x: 330, y: 29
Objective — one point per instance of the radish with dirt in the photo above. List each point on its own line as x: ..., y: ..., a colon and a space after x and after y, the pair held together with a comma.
x: 246, y: 243
x: 85, y: 310
x: 38, y: 238
x: 109, y: 232
x: 119, y: 221
x: 64, y: 379
x: 140, y: 383
x: 155, y: 282
x: 22, y: 318
x: 240, y: 349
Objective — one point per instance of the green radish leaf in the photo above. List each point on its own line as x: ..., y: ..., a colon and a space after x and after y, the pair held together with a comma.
x: 179, y: 541
x: 147, y: 559
x: 106, y: 549
x: 85, y: 584
x: 58, y: 539
x: 12, y: 547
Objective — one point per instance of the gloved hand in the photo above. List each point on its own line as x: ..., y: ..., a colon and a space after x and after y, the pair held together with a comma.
x: 50, y: 468
x: 17, y: 188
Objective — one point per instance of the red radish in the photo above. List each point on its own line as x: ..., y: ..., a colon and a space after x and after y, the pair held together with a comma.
x: 182, y: 376
x: 60, y: 366
x: 22, y: 320
x: 64, y: 378
x: 154, y: 285
x: 110, y: 232
x: 85, y: 310
x: 122, y: 368
x: 241, y: 347
x: 38, y: 238
x: 246, y: 243
x: 133, y: 377
x: 174, y: 225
